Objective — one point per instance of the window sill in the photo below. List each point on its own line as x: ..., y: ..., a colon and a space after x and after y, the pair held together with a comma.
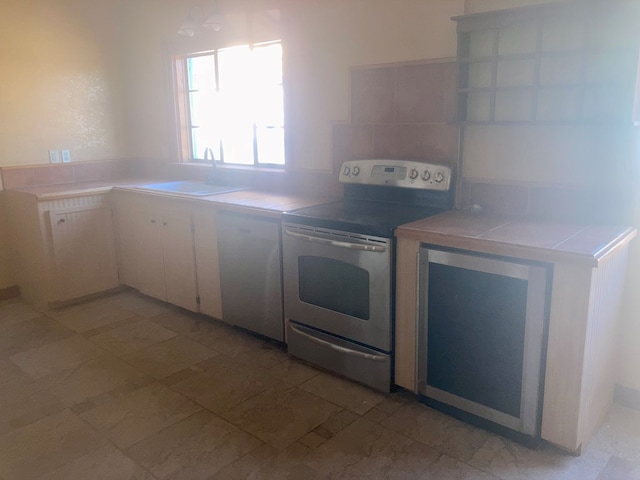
x: 241, y: 168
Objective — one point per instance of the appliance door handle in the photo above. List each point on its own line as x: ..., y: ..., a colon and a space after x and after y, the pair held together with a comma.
x: 338, y: 348
x: 336, y: 243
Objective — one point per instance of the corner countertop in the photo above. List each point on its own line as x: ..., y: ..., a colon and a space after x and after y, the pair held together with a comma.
x: 524, y: 238
x: 244, y: 201
x: 69, y: 190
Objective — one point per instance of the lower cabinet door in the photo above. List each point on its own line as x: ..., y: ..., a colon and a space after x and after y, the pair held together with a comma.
x: 179, y: 261
x: 84, y: 251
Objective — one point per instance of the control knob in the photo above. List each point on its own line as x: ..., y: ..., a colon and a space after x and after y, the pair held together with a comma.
x: 439, y: 176
x: 355, y: 170
x: 346, y: 171
x: 426, y: 175
x: 413, y: 174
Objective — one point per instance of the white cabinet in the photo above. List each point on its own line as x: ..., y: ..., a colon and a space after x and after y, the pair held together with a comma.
x: 142, y: 257
x: 206, y: 249
x: 63, y: 248
x: 83, y: 250
x: 156, y: 249
x: 179, y: 261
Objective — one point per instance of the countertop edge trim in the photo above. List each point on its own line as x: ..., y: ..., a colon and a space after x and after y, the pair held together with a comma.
x: 527, y: 252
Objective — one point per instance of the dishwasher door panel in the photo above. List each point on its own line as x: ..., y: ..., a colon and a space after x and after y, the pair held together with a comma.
x: 482, y: 335
x: 251, y: 273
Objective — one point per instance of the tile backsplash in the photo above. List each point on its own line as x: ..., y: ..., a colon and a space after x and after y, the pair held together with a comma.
x: 553, y: 203
x: 400, y: 111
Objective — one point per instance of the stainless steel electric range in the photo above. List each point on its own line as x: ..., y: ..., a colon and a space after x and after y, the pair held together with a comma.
x: 339, y: 265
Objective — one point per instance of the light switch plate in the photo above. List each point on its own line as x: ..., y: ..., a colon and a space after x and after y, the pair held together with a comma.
x: 53, y: 156
x: 66, y: 156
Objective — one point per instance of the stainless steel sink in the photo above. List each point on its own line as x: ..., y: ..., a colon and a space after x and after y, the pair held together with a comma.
x: 196, y: 189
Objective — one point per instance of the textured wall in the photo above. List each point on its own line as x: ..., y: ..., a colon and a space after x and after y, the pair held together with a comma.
x: 59, y: 87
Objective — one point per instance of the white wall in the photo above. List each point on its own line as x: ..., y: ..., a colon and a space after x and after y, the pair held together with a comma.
x: 59, y: 81
x: 322, y: 40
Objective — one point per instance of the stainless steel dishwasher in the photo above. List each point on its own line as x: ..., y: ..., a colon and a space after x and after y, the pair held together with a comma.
x: 251, y: 273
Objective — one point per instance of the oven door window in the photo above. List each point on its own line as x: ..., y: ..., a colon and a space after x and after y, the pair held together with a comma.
x: 334, y: 285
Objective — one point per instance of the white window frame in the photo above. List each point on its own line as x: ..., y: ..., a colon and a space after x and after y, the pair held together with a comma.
x: 184, y: 126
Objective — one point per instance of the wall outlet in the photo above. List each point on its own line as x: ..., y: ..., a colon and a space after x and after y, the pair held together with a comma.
x: 53, y: 156
x: 66, y: 156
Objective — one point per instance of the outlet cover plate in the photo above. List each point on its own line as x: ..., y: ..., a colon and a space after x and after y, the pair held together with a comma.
x: 53, y: 156
x: 66, y: 156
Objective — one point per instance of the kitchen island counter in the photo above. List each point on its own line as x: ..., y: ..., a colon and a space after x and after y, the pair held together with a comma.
x: 529, y: 239
x: 588, y: 264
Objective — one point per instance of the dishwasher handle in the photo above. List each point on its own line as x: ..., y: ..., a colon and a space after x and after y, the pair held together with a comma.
x: 336, y: 243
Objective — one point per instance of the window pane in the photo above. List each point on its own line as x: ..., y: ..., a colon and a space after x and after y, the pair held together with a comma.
x: 237, y: 143
x: 203, y: 100
x: 269, y: 112
x: 239, y: 111
x: 201, y: 72
x: 236, y: 104
x: 268, y: 106
x: 203, y: 139
x: 270, y: 145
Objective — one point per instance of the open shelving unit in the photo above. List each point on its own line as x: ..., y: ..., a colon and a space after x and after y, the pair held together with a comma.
x: 561, y: 63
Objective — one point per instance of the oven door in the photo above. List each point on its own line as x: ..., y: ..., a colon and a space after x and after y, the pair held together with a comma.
x: 339, y: 283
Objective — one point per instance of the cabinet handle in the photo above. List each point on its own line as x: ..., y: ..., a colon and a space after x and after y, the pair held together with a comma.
x: 62, y: 220
x: 153, y: 221
x: 164, y: 224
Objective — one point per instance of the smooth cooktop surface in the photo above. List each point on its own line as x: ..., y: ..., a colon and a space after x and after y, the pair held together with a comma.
x: 361, y: 216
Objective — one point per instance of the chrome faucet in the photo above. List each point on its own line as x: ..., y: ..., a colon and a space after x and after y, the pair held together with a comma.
x: 210, y: 178
x: 208, y: 155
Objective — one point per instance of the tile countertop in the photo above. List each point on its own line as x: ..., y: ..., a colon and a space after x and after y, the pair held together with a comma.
x: 263, y: 202
x: 519, y: 237
x: 245, y: 201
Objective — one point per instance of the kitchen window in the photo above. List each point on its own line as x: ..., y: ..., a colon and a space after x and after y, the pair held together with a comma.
x: 230, y: 105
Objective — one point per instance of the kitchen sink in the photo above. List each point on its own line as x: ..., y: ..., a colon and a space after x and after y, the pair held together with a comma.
x: 197, y: 189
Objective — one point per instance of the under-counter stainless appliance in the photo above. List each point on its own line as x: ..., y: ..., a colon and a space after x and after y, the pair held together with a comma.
x: 251, y: 273
x: 338, y: 261
x: 481, y: 336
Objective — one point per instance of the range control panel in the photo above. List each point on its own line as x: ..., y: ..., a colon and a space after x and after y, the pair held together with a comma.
x: 397, y: 173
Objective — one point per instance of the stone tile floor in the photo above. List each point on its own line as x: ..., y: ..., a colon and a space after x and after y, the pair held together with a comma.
x: 125, y: 387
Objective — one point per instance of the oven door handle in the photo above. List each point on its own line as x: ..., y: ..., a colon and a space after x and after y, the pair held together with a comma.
x: 338, y: 348
x: 336, y: 243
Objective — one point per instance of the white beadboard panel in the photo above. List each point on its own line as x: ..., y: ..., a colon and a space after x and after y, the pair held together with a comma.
x: 600, y: 369
x: 583, y: 333
x: 83, y: 249
x: 565, y: 355
x: 89, y: 200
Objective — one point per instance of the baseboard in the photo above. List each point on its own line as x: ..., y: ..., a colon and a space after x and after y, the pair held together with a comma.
x: 628, y: 397
x: 9, y: 293
x: 85, y: 298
